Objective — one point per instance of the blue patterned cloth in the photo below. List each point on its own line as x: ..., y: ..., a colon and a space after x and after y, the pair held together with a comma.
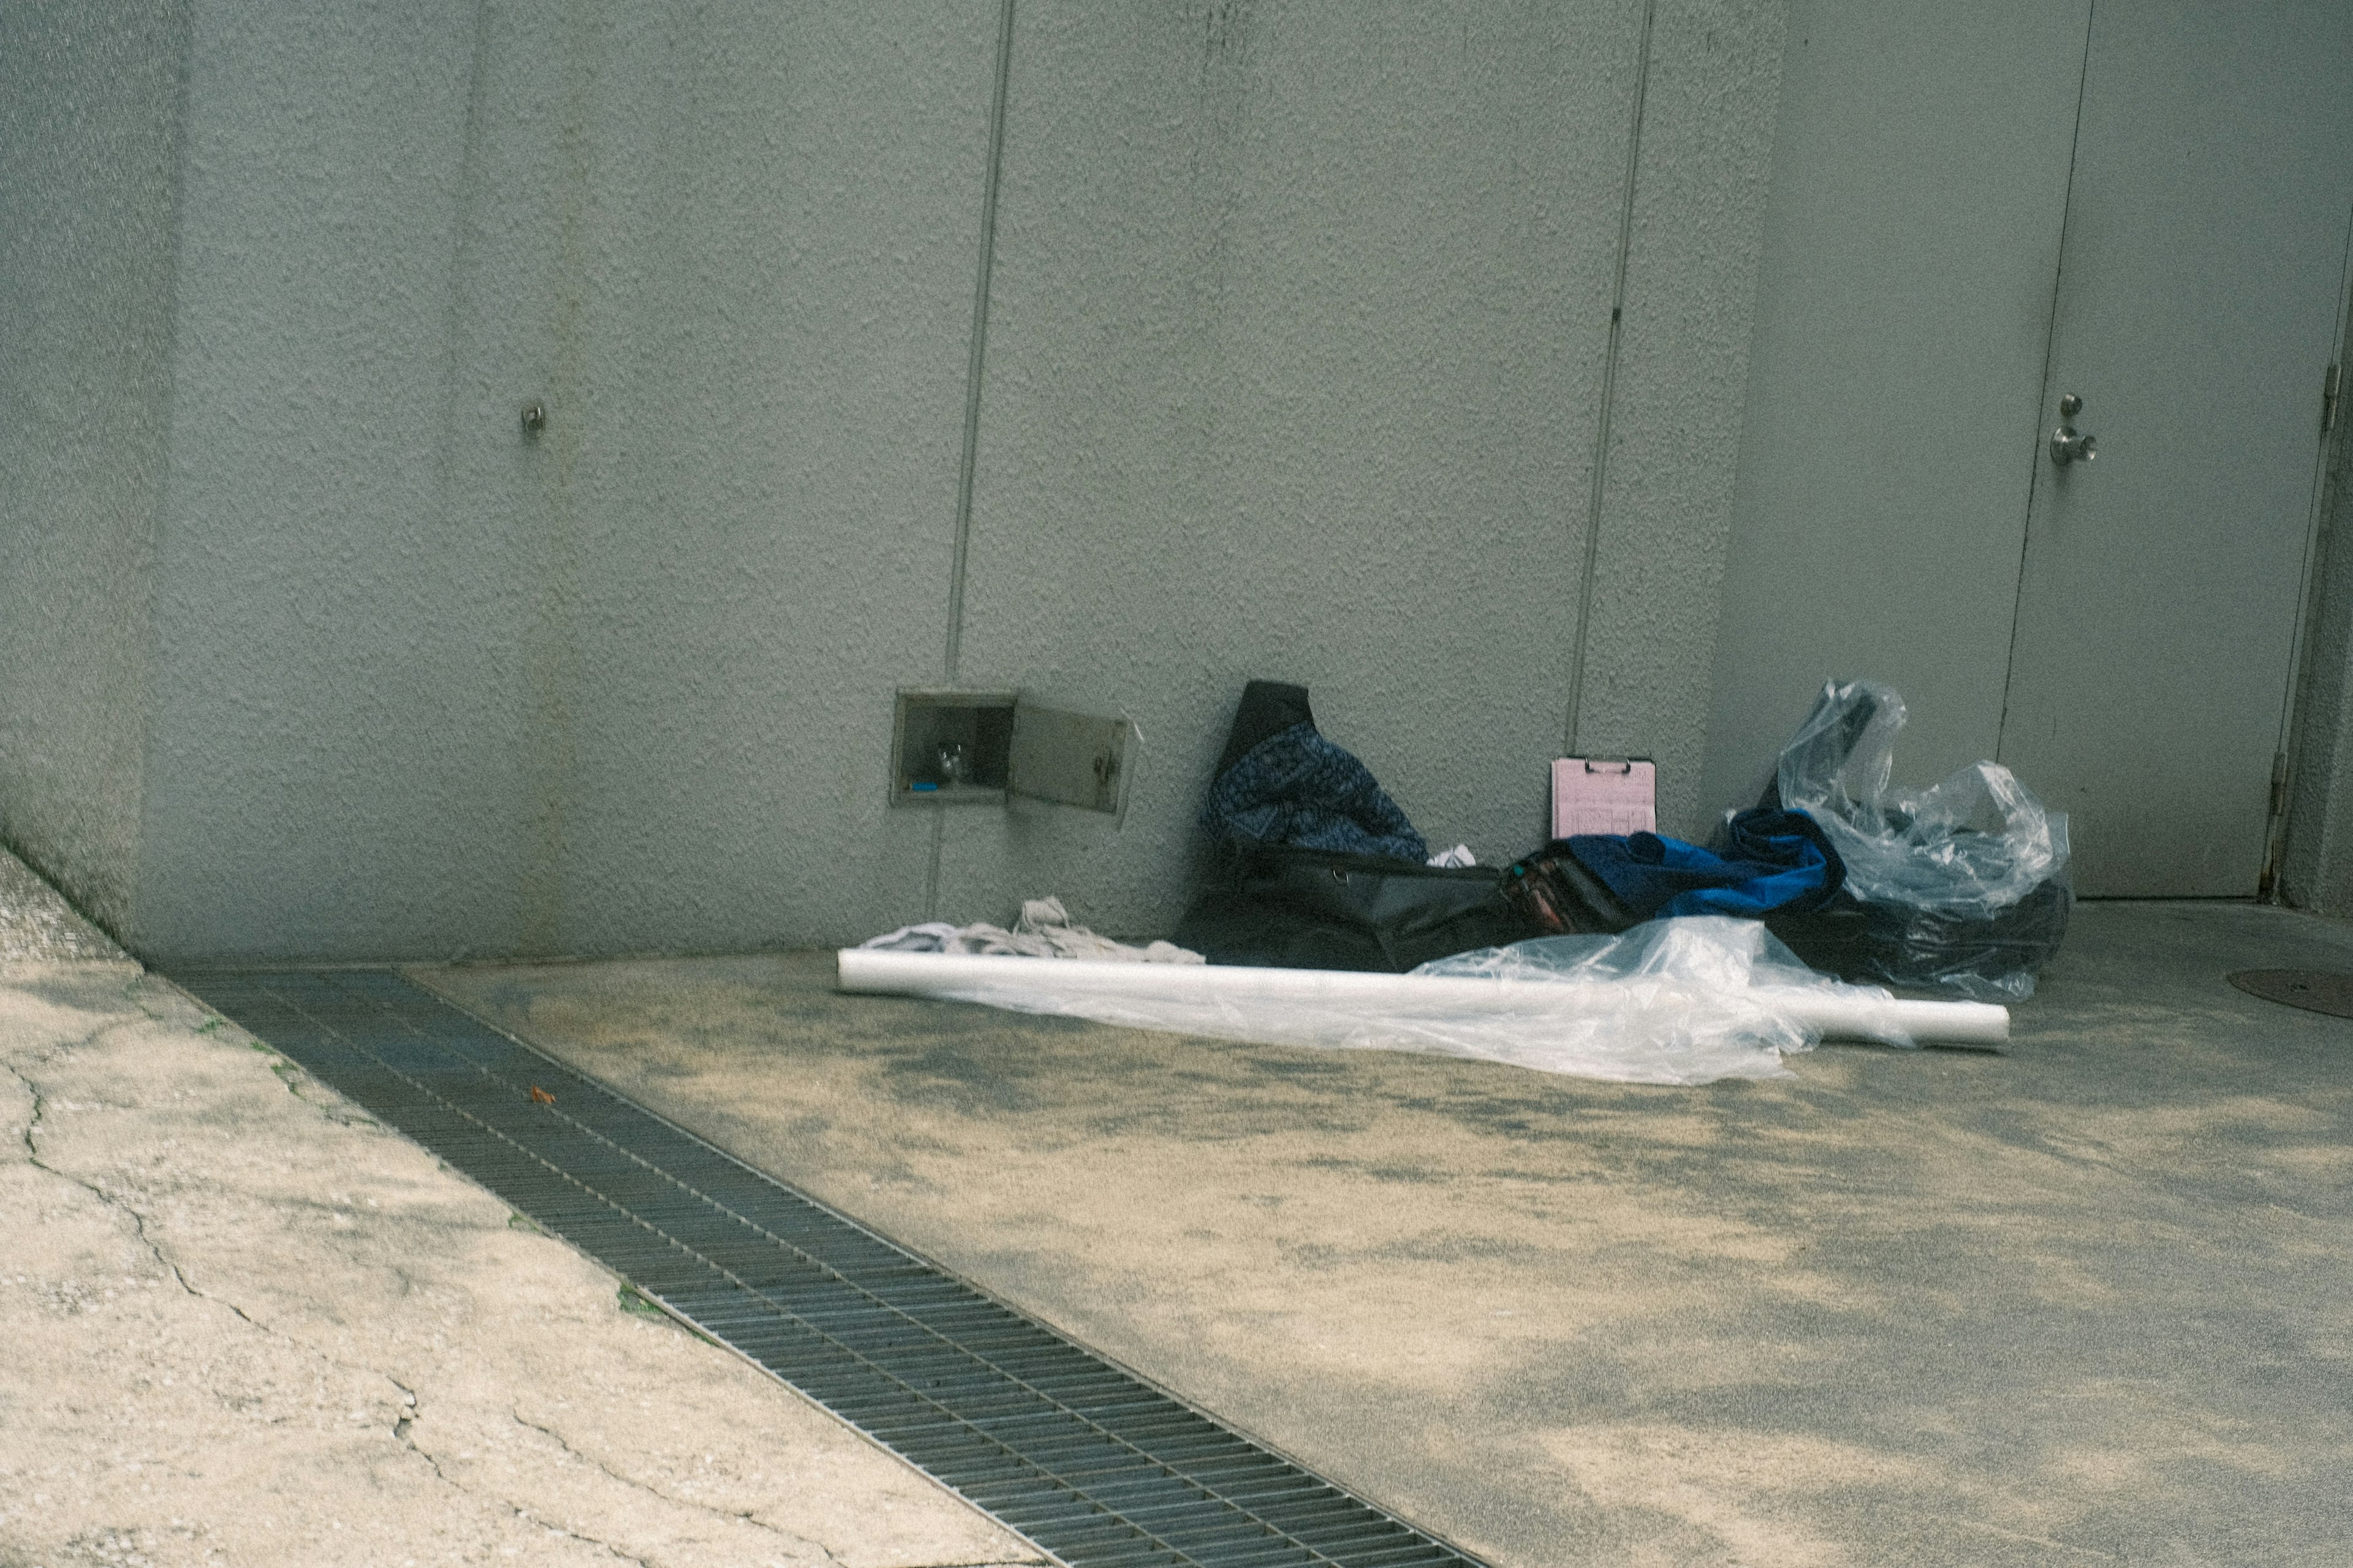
x: 1296, y: 787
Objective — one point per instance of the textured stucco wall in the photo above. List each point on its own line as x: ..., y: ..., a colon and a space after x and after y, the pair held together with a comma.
x: 329, y: 741
x: 778, y: 268
x: 89, y: 148
x: 1294, y: 370
x: 1691, y: 290
x: 1297, y: 344
x: 1295, y: 335
x: 430, y: 687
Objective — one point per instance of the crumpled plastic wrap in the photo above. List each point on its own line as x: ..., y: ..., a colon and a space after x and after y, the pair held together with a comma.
x: 1962, y: 887
x: 1968, y: 847
x: 1683, y: 1000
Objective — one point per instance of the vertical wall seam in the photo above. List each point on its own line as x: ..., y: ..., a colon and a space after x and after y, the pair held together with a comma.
x: 1608, y: 389
x: 457, y: 305
x: 125, y: 927
x: 951, y: 663
x: 552, y: 642
x: 2296, y: 728
x: 932, y: 863
x: 979, y: 349
x: 2042, y: 386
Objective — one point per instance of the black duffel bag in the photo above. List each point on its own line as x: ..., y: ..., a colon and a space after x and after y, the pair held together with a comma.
x: 1284, y: 906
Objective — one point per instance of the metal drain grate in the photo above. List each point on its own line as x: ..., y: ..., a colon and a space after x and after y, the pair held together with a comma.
x: 1086, y: 1460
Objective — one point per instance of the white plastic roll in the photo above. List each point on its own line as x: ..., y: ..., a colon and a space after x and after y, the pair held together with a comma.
x: 1854, y: 1015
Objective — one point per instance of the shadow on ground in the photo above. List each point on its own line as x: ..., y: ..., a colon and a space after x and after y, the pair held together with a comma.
x: 2083, y: 1301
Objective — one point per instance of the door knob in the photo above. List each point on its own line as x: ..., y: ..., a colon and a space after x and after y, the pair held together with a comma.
x: 2069, y: 444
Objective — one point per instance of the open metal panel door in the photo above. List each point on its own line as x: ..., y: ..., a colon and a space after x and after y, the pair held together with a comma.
x: 2200, y: 287
x: 957, y: 746
x: 1073, y: 759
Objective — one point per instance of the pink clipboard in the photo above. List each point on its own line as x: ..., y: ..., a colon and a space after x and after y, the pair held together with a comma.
x: 1604, y: 795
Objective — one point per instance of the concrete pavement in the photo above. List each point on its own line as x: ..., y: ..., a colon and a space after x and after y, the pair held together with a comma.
x: 2085, y: 1301
x: 247, y: 1325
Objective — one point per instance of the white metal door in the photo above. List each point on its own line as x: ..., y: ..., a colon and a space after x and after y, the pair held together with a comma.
x: 2201, y: 275
x: 1902, y: 322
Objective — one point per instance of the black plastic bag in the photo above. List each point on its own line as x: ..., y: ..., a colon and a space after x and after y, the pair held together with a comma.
x: 1993, y: 958
x: 1962, y: 888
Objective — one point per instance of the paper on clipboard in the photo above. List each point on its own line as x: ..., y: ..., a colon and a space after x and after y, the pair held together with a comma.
x: 1604, y: 795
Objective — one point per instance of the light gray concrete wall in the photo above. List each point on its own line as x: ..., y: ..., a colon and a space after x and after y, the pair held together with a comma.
x: 779, y: 252
x: 1296, y: 364
x: 89, y: 151
x: 1691, y: 271
x: 330, y: 766
x: 1298, y: 336
x: 1297, y: 326
x: 431, y: 687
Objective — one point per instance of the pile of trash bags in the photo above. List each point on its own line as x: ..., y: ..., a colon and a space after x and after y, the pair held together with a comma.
x: 1960, y: 889
x: 1326, y: 921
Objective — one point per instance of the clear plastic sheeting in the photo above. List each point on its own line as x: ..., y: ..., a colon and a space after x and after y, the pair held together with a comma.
x: 1969, y: 848
x: 1676, y: 1002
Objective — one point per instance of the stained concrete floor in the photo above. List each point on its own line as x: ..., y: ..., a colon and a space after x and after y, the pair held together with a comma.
x: 2087, y: 1300
x: 245, y: 1325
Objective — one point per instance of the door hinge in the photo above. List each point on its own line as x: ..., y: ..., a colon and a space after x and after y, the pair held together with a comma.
x: 2279, y: 786
x: 2328, y: 400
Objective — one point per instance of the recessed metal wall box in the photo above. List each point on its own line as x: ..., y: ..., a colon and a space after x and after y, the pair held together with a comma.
x: 949, y: 747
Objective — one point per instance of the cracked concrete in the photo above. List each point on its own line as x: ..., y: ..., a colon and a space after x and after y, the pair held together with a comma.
x: 248, y: 1325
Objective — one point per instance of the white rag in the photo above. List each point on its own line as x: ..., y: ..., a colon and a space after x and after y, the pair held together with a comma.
x: 1044, y: 931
